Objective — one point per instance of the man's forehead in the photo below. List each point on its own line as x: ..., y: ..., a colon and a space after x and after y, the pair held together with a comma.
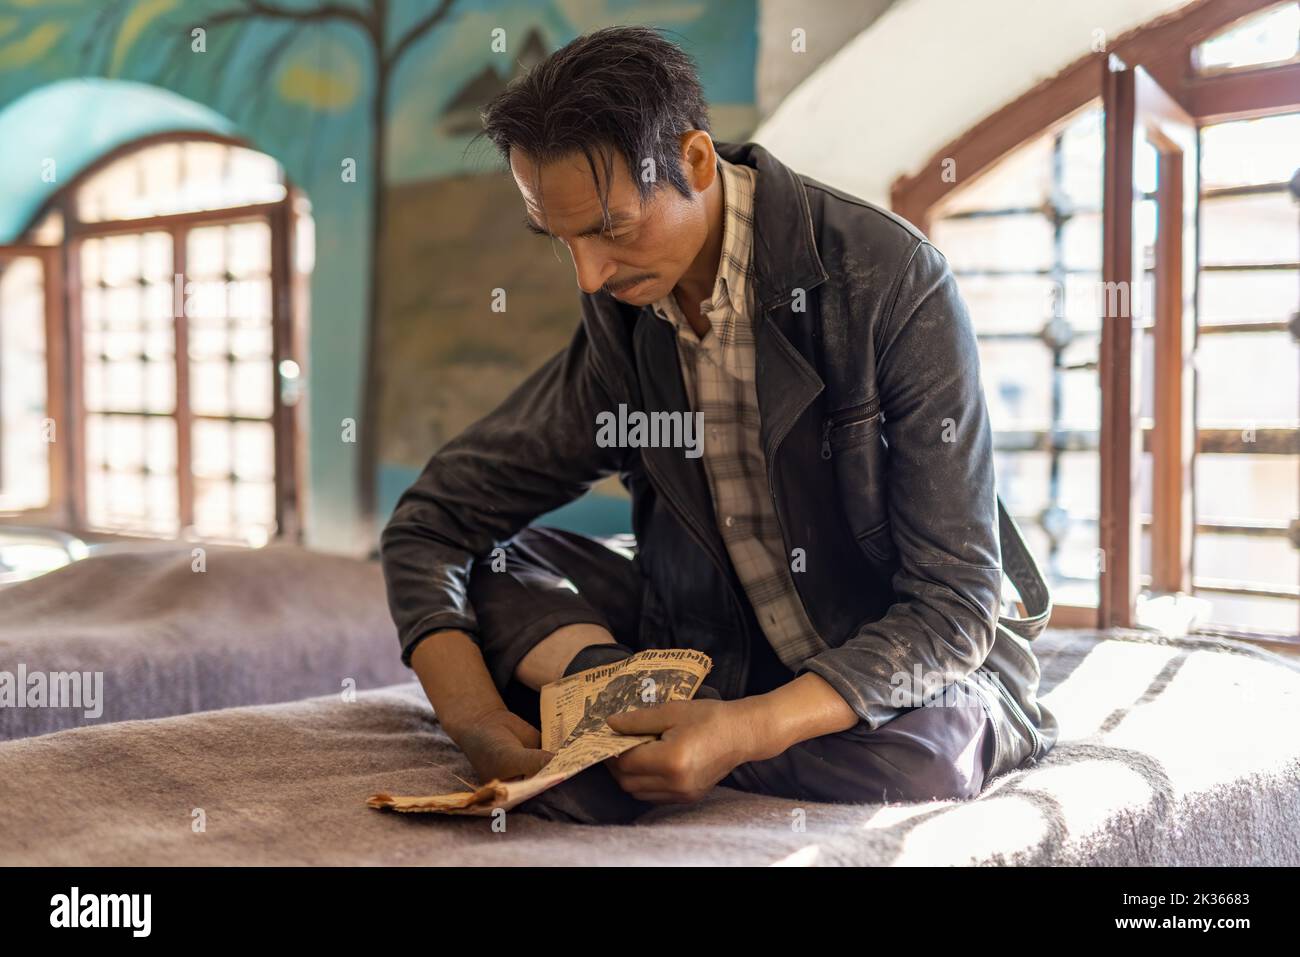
x: 541, y: 216
x: 564, y: 191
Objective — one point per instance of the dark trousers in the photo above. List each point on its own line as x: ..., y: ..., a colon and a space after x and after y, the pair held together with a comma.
x: 553, y: 578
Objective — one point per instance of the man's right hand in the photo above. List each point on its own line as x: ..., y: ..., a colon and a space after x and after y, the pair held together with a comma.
x: 501, y: 745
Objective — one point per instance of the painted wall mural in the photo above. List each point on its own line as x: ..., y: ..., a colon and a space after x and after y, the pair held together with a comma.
x: 416, y: 353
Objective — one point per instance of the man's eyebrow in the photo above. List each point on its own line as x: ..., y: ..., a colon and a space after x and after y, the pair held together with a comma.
x: 615, y: 220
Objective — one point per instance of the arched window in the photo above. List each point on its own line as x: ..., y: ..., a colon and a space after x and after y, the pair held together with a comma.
x: 180, y: 333
x: 1149, y: 447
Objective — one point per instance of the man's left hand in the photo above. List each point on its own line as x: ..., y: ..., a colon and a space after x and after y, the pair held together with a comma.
x: 700, y: 742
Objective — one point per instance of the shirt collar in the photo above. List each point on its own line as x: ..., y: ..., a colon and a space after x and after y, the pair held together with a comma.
x: 732, y: 282
x: 781, y: 209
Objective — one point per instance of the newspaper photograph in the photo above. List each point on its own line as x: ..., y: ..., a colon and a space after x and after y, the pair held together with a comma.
x: 574, y: 713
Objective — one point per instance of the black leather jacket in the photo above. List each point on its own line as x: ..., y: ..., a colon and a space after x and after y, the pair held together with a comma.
x: 879, y: 455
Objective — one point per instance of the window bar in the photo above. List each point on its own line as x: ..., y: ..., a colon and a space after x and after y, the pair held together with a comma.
x: 105, y: 426
x: 151, y: 508
x: 184, y: 420
x: 232, y: 478
x: 1056, y: 335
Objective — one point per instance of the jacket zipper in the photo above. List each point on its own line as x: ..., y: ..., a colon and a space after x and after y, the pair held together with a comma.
x: 851, y: 416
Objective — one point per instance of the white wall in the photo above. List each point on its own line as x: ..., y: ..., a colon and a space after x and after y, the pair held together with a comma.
x: 827, y: 25
x: 925, y: 72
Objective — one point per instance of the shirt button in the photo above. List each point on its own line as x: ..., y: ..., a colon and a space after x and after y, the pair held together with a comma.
x: 729, y: 521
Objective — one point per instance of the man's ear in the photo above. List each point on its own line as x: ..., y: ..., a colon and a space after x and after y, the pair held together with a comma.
x: 699, y: 159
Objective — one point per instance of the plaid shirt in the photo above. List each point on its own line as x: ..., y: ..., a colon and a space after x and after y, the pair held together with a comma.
x: 718, y: 370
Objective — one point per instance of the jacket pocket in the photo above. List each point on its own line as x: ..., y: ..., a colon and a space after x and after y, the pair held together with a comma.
x: 853, y: 442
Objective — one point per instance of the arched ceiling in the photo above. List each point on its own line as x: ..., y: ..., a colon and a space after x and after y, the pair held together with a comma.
x: 924, y: 73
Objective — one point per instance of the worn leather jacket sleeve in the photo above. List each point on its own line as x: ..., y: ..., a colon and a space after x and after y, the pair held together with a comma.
x: 942, y: 505
x: 533, y: 453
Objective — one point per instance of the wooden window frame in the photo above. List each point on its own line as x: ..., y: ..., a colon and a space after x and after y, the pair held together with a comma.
x: 1139, y: 108
x: 1163, y: 48
x: 64, y: 341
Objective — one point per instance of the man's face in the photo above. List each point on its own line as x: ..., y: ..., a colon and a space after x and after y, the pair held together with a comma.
x: 644, y: 251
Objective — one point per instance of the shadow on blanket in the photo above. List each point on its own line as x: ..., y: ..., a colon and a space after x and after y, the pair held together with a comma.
x: 1172, y: 752
x: 256, y: 626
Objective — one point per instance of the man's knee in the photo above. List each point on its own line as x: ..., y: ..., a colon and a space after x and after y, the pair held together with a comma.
x: 508, y: 568
x: 514, y: 589
x: 942, y: 752
x: 929, y: 772
x: 915, y: 774
x: 924, y: 755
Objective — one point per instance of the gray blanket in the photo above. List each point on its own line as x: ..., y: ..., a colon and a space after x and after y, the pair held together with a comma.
x: 1172, y: 752
x: 159, y: 638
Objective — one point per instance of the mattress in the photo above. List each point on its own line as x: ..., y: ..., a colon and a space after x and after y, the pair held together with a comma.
x: 153, y: 633
x: 1172, y: 751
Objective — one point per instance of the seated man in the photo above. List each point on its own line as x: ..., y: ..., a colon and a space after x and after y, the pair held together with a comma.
x: 787, y: 383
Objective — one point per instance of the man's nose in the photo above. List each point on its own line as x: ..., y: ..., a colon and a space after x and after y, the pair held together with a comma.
x: 593, y: 269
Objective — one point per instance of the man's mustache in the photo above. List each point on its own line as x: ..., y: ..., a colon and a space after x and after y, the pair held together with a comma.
x: 626, y: 284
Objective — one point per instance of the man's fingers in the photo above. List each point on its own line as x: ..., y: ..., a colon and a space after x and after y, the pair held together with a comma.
x: 648, y: 758
x: 642, y: 783
x: 521, y: 763
x: 654, y: 720
x: 656, y: 790
x: 645, y: 787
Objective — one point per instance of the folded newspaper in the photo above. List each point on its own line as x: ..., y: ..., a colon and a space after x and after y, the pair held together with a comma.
x: 574, y: 712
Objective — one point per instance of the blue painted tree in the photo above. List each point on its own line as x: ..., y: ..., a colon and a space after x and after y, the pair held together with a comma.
x: 260, y: 35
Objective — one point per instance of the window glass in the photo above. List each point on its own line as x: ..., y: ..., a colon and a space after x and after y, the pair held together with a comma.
x: 1024, y: 241
x: 1262, y: 38
x: 26, y: 432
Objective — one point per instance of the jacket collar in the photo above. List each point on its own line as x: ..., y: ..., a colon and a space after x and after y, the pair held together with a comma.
x: 785, y: 259
x: 785, y: 253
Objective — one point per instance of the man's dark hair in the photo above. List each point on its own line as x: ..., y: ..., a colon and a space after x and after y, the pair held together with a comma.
x: 622, y: 88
